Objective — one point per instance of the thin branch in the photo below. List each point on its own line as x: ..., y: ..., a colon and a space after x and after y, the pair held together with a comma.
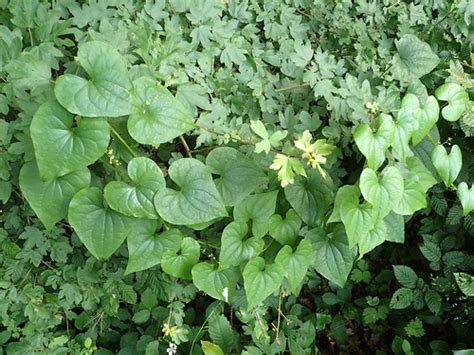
x: 186, y: 146
x: 134, y: 154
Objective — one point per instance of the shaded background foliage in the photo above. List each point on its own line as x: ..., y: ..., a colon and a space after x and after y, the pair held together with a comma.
x: 295, y: 65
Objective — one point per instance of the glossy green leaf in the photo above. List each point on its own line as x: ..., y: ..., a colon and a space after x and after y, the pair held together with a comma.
x: 417, y: 180
x: 466, y: 196
x: 50, y: 199
x: 217, y: 282
x: 61, y: 148
x: 425, y: 115
x: 384, y: 193
x: 447, y: 165
x: 180, y: 263
x: 107, y: 91
x: 357, y: 218
x: 261, y: 280
x: 285, y: 231
x: 310, y: 197
x: 374, y: 143
x: 296, y: 263
x: 236, y: 247
x: 457, y: 98
x: 196, y: 201
x: 158, y: 116
x: 332, y: 257
x: 395, y: 224
x: 101, y: 229
x: 146, y: 247
x: 238, y: 175
x: 404, y: 127
x: 257, y: 208
x: 376, y: 236
x: 415, y: 58
x: 136, y: 200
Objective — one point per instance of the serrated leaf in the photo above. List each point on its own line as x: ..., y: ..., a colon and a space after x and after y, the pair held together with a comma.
x: 238, y: 175
x: 332, y: 257
x: 101, y: 229
x: 465, y: 283
x: 285, y: 231
x: 197, y: 201
x: 158, y: 116
x: 447, y: 165
x: 295, y: 263
x: 136, y: 200
x: 402, y: 298
x: 457, y: 98
x: 61, y: 148
x: 180, y: 263
x: 236, y: 247
x: 433, y: 301
x: 107, y: 91
x: 373, y: 144
x: 50, y: 199
x: 415, y: 58
x: 405, y: 275
x: 310, y: 197
x: 466, y: 196
x: 258, y: 208
x: 146, y: 247
x: 384, y: 193
x: 221, y: 333
x: 261, y: 280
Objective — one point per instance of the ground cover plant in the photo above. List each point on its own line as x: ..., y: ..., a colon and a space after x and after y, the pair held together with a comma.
x: 225, y: 177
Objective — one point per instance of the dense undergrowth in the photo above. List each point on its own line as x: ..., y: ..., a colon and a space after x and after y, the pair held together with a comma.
x: 256, y: 177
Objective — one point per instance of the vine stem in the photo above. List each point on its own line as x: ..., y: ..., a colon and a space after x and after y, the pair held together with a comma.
x: 186, y: 146
x: 201, y: 328
x: 116, y: 134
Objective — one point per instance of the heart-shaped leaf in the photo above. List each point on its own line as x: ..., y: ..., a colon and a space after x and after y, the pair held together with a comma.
x: 417, y: 180
x: 50, y: 199
x: 261, y: 280
x: 332, y: 257
x: 425, y: 115
x: 180, y: 263
x: 106, y: 93
x: 258, y: 208
x: 136, y: 200
x: 447, y: 165
x: 238, y: 175
x: 457, y: 98
x: 101, y: 229
x: 285, y: 231
x: 404, y: 127
x: 61, y: 148
x: 310, y: 197
x: 146, y: 247
x: 197, y: 201
x: 236, y: 247
x: 373, y: 144
x: 466, y: 196
x: 158, y: 116
x: 357, y: 218
x: 395, y: 224
x: 295, y: 263
x: 376, y: 236
x: 383, y: 193
x: 218, y: 283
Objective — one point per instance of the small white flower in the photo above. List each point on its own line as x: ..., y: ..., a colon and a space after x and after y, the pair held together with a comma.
x: 172, y: 348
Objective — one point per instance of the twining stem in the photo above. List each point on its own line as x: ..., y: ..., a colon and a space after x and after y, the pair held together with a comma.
x: 200, y: 329
x: 186, y: 146
x: 135, y: 155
